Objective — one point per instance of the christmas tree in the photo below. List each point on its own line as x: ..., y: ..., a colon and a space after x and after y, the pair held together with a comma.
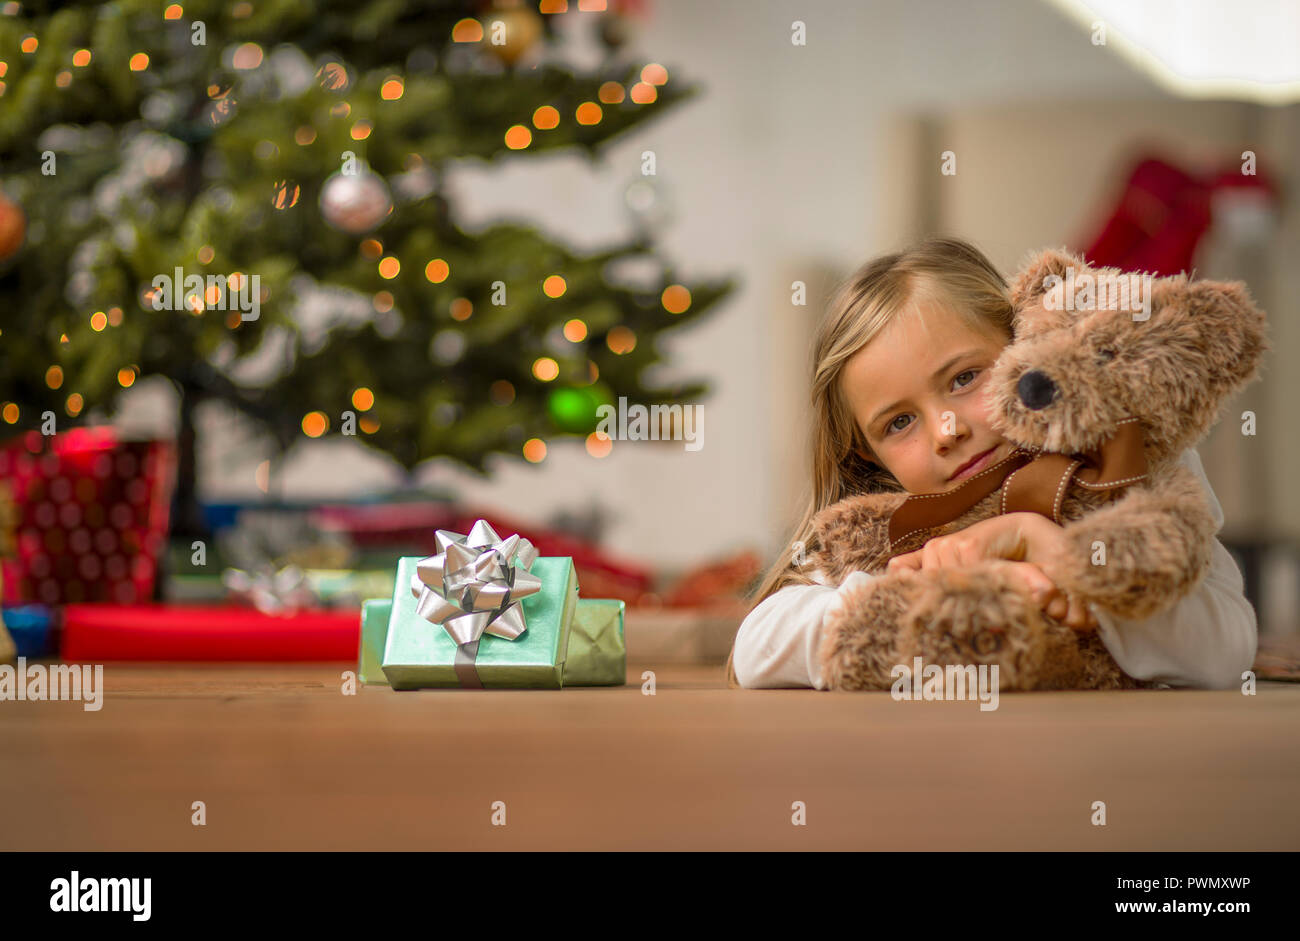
x: 249, y: 199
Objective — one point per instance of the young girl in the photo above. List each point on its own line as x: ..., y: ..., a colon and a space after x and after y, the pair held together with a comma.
x: 899, y: 386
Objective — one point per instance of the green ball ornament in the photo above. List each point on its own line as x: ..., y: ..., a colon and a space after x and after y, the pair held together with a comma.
x: 573, y: 409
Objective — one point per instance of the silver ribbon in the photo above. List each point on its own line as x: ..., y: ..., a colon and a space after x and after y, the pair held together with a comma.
x: 472, y: 586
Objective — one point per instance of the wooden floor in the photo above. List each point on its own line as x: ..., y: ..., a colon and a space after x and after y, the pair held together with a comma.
x: 283, y: 760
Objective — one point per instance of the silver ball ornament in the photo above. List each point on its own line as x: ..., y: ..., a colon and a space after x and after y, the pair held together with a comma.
x: 355, y: 202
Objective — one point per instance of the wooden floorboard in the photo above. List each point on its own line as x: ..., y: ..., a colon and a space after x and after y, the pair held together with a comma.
x: 283, y: 759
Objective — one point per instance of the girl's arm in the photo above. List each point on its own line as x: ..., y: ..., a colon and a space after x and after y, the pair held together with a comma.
x: 1208, y: 639
x: 776, y: 645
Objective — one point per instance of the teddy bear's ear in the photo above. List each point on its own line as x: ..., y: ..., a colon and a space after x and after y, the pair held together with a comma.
x: 1031, y: 282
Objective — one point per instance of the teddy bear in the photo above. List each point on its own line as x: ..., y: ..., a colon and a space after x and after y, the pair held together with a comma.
x: 1108, y: 377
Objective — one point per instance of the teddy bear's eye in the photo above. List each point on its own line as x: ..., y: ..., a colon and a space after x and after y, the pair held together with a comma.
x: 1106, y: 354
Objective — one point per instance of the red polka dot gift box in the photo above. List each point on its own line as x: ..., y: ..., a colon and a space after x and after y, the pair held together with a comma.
x: 90, y: 516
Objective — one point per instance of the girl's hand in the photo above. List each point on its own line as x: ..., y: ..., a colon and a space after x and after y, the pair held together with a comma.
x: 1074, y: 613
x: 1026, y: 537
x: 1018, y: 537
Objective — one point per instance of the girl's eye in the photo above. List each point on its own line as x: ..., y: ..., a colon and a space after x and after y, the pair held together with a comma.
x: 891, y: 427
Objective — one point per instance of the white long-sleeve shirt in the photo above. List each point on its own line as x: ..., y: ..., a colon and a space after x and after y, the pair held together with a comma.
x: 1207, y: 640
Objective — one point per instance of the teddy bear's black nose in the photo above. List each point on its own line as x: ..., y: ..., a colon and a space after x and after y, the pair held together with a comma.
x: 1036, y: 390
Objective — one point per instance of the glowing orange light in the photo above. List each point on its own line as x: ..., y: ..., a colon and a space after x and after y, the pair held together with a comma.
x: 363, y: 399
x: 611, y: 93
x: 467, y: 30
x: 599, y: 444
x: 54, y: 377
x: 554, y: 286
x: 575, y: 331
x: 173, y: 12
x: 676, y: 299
x: 247, y: 56
x: 546, y: 118
x: 621, y: 340
x: 98, y: 321
x: 314, y: 424
x: 10, y: 413
x: 392, y: 89
x: 81, y: 58
x: 126, y: 377
x: 461, y: 308
x: 518, y: 137
x: 361, y: 130
x: 588, y: 113
x: 534, y: 450
x: 437, y: 271
x: 654, y: 74
x: 389, y: 267
x: 545, y: 368
x: 74, y: 404
x: 139, y: 62
x: 643, y: 94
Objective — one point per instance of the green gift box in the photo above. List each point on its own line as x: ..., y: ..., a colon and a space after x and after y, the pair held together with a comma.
x: 419, y: 653
x: 596, y: 654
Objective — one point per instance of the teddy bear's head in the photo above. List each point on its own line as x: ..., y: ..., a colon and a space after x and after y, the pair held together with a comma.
x: 1094, y: 346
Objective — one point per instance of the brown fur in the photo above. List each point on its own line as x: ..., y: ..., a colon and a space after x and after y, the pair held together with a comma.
x: 1175, y: 372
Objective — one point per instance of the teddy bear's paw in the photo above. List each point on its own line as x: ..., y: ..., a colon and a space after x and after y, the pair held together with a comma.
x: 860, y: 641
x: 1098, y: 669
x: 973, y: 617
x: 853, y: 535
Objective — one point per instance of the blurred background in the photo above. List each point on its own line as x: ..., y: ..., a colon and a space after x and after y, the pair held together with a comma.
x: 469, y: 225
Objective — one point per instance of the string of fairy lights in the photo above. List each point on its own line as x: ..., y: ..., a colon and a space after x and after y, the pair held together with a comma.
x: 522, y: 31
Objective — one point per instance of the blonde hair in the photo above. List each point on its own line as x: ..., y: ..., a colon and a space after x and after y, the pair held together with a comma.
x: 944, y: 270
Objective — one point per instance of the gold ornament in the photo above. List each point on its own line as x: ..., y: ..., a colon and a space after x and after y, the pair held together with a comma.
x: 518, y: 31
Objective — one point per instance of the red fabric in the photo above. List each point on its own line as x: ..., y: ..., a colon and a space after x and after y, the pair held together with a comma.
x: 94, y: 632
x: 1162, y: 217
x: 92, y: 515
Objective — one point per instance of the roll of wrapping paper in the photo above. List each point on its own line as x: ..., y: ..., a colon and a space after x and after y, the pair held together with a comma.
x: 93, y: 632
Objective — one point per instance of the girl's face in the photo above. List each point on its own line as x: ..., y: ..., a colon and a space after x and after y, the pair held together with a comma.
x: 919, y: 391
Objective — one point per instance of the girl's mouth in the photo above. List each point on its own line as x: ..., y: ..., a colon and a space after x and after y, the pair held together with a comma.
x: 980, y: 462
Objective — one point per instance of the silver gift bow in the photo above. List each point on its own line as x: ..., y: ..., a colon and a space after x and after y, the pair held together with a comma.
x: 472, y: 586
x: 281, y: 592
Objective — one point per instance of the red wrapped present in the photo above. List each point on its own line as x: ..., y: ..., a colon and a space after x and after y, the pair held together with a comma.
x: 91, y: 516
x: 95, y: 632
x: 413, y: 525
